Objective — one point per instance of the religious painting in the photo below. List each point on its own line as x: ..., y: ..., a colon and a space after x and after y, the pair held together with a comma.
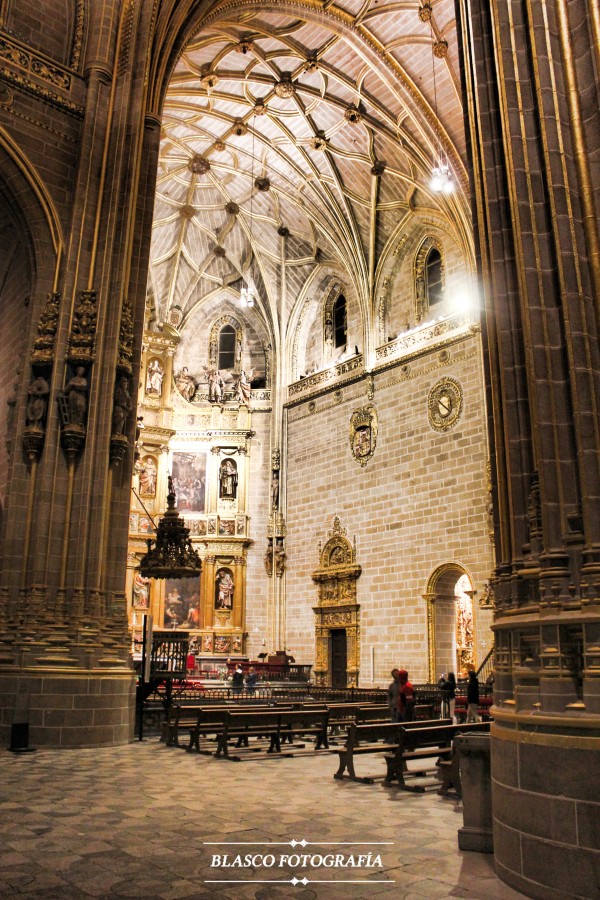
x: 241, y: 525
x: 237, y: 643
x: 226, y: 526
x: 207, y: 643
x: 197, y: 526
x: 363, y: 434
x: 140, y: 591
x: 133, y: 522
x: 148, y: 472
x: 145, y: 525
x: 189, y: 481
x: 222, y: 643
x: 212, y: 525
x: 182, y: 603
x: 224, y: 589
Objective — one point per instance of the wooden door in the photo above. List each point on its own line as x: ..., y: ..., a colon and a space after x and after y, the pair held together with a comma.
x: 339, y: 658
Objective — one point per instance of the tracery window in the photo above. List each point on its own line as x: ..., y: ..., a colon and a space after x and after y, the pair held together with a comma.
x: 340, y: 322
x: 433, y: 277
x: 429, y: 277
x: 227, y: 342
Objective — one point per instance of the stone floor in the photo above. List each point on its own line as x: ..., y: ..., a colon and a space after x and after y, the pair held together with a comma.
x: 142, y: 821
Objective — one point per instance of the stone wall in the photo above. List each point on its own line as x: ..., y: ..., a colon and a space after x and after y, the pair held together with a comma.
x: 419, y: 503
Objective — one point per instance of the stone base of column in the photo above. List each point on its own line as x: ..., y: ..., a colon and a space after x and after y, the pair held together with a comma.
x: 68, y: 708
x: 476, y: 785
x: 546, y: 803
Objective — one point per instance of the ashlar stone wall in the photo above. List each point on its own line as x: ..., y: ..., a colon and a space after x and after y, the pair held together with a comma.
x: 419, y: 503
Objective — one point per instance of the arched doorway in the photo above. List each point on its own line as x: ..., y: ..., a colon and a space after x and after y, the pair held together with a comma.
x: 450, y: 621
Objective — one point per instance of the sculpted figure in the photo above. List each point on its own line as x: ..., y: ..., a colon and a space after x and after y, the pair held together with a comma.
x: 186, y: 384
x: 242, y: 388
x: 76, y: 391
x: 122, y: 406
x: 154, y: 378
x: 38, y: 400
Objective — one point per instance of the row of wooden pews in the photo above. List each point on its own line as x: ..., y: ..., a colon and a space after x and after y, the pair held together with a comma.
x: 401, y: 743
x: 233, y: 727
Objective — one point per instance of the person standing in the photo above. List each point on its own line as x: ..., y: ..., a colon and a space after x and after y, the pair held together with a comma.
x: 472, y: 697
x: 451, y: 693
x: 406, y: 697
x: 251, y: 679
x: 393, y: 690
x: 237, y: 682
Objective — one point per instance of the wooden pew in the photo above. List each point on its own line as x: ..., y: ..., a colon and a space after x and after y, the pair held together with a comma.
x: 302, y: 722
x: 274, y: 725
x: 375, y: 737
x: 431, y: 742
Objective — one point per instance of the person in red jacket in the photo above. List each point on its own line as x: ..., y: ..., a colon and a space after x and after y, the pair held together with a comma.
x: 406, y: 697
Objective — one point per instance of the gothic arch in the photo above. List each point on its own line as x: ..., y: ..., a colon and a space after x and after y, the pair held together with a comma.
x: 428, y: 244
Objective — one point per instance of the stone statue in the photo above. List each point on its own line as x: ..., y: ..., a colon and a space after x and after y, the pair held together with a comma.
x: 280, y: 558
x: 242, y: 388
x: 275, y: 489
x: 238, y: 350
x: 38, y: 400
x: 148, y: 477
x: 122, y: 406
x: 154, y: 378
x: 76, y: 390
x: 216, y: 386
x: 228, y: 480
x: 224, y: 598
x: 186, y: 384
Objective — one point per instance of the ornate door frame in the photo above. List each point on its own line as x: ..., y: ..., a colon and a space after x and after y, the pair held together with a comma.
x: 336, y: 606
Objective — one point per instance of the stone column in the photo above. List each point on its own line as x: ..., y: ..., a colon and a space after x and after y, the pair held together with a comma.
x: 532, y: 136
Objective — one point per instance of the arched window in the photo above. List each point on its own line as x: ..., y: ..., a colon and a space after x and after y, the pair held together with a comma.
x: 340, y: 322
x: 226, y: 359
x: 433, y: 277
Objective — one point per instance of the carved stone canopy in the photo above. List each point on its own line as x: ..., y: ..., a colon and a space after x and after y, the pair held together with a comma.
x: 338, y: 570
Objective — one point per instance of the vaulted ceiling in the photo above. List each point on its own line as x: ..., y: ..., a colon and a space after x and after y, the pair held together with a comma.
x: 303, y: 136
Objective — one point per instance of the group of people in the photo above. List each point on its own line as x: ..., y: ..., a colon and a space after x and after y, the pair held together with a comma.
x: 401, y: 696
x: 237, y: 680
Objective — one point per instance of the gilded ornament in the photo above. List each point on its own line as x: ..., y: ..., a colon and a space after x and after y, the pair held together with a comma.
x: 440, y: 49
x: 425, y: 12
x: 199, y: 165
x: 126, y: 337
x: 285, y: 88
x: 445, y: 404
x: 363, y: 434
x: 262, y: 183
x: 352, y: 115
x: 43, y: 346
x: 239, y: 128
x: 82, y: 340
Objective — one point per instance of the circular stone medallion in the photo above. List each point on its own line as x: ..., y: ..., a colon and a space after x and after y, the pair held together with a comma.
x: 444, y: 404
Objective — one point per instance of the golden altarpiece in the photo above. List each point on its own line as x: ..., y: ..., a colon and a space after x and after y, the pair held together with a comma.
x: 336, y: 607
x: 204, y: 444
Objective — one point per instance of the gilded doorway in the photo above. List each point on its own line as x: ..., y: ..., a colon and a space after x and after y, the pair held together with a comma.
x: 337, y: 622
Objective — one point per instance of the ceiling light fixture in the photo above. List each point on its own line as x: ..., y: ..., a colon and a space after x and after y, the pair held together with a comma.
x: 441, y: 177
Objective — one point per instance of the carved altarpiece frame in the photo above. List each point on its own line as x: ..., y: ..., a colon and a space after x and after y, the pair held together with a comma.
x: 336, y: 607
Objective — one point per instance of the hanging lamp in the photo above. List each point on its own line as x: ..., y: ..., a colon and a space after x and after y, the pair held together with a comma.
x: 172, y: 555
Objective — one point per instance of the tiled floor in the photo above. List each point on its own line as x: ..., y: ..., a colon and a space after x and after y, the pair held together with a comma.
x: 138, y: 821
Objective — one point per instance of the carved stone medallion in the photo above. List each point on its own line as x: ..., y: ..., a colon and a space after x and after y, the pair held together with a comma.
x: 445, y: 404
x: 363, y: 434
